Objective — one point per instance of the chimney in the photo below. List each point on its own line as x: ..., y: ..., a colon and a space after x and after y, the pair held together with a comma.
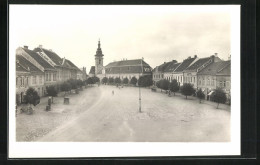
x: 40, y: 46
x: 195, y: 56
x: 189, y: 57
x: 229, y: 58
x: 216, y: 54
x: 25, y: 47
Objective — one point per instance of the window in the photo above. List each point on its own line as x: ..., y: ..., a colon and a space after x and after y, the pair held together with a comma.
x: 212, y: 82
x: 16, y: 81
x: 34, y: 79
x: 194, y: 79
x: 181, y: 78
x: 99, y: 61
x: 220, y: 83
x: 224, y: 83
x: 46, y: 77
x: 40, y: 79
x: 54, y: 76
x: 20, y: 81
x: 208, y: 81
x: 50, y: 77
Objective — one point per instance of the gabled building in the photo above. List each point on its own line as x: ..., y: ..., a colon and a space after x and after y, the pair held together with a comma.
x: 223, y: 78
x: 27, y: 75
x: 158, y: 72
x: 190, y: 73
x: 179, y: 71
x: 50, y: 73
x: 169, y: 70
x: 207, y: 77
x: 92, y: 72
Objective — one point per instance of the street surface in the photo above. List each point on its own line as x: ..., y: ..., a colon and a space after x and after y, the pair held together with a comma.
x: 106, y: 117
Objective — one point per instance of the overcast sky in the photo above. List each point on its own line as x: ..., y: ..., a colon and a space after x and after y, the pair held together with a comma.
x: 157, y: 33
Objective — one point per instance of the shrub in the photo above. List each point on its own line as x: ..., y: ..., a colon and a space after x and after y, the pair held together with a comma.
x: 133, y: 81
x: 174, y: 86
x: 125, y: 81
x: 219, y: 96
x: 145, y: 81
x: 111, y: 80
x: 104, y: 80
x: 187, y: 89
x: 32, y: 98
x: 200, y: 95
x: 51, y: 91
x: 65, y: 87
x: 95, y: 80
x: 90, y: 81
x: 164, y: 84
x: 73, y: 83
x: 117, y: 80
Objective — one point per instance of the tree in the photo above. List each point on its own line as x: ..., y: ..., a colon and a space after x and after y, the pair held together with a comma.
x: 95, y: 79
x: 174, y: 86
x: 90, y: 81
x: 65, y: 87
x: 111, y: 80
x: 32, y: 98
x: 145, y: 81
x: 104, y: 80
x: 80, y: 83
x: 164, y: 84
x: 133, y: 81
x: 158, y: 84
x: 219, y: 96
x: 52, y: 91
x: 125, y: 81
x: 73, y: 83
x: 187, y: 89
x: 200, y: 95
x: 117, y: 80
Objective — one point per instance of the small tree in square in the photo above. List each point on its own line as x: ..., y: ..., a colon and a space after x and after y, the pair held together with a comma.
x: 111, y: 80
x: 164, y: 84
x: 90, y: 81
x: 125, y: 80
x: 65, y: 87
x: 73, y: 83
x: 133, y: 81
x: 95, y: 79
x: 174, y: 86
x: 200, y: 95
x: 32, y: 98
x: 52, y: 91
x: 117, y: 80
x: 187, y: 89
x: 219, y: 96
x: 104, y: 80
x: 80, y: 83
x: 145, y: 81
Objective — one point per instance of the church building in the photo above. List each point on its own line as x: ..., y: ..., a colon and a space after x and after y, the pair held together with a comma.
x: 122, y: 69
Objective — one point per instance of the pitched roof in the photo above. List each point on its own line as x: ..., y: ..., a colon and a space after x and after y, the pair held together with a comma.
x: 92, y: 70
x: 21, y: 68
x: 127, y: 63
x: 26, y: 64
x: 38, y: 58
x: 171, y: 67
x: 162, y: 67
x: 213, y: 68
x: 225, y: 70
x: 72, y: 65
x: 184, y: 64
x: 198, y: 63
x: 52, y: 55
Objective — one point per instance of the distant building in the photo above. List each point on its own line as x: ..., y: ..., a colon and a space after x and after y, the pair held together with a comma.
x: 158, y: 72
x: 169, y: 70
x: 190, y: 73
x: 81, y: 74
x: 223, y: 78
x: 121, y: 69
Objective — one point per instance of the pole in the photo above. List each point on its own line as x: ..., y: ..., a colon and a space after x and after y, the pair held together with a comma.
x: 140, y: 99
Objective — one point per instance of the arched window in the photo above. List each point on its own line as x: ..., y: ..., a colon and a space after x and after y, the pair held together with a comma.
x: 99, y: 61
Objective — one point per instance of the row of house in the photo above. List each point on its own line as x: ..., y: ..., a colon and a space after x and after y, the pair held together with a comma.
x: 40, y: 68
x: 203, y: 73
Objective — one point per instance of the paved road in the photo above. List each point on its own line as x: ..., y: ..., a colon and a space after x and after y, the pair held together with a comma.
x: 115, y: 118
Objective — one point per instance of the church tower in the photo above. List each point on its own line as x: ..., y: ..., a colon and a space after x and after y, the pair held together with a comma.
x: 98, y: 60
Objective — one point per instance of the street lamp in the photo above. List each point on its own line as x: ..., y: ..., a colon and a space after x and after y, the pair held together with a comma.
x: 139, y: 86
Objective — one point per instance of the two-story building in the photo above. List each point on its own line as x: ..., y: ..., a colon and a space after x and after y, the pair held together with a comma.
x: 27, y: 75
x: 207, y: 77
x: 190, y: 73
x: 168, y: 71
x: 158, y: 72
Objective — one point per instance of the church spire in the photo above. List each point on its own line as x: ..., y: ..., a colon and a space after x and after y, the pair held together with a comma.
x: 99, y: 43
x: 99, y: 51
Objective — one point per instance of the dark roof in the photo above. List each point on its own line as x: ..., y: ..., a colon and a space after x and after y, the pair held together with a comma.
x: 27, y: 64
x: 171, y: 67
x: 39, y: 59
x: 184, y: 64
x: 21, y: 68
x: 198, y: 63
x: 225, y: 70
x: 92, y: 70
x: 52, y: 55
x: 162, y: 67
x: 213, y: 68
x: 127, y: 63
x: 128, y: 66
x: 72, y: 65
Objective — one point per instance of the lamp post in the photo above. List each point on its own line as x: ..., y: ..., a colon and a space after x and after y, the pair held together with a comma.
x: 140, y: 103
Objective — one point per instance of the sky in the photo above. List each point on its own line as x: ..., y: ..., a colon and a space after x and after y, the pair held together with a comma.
x: 156, y: 33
